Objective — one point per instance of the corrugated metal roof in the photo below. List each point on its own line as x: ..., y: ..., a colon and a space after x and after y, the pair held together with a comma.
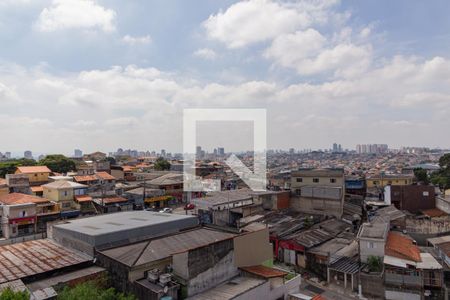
x: 34, y: 257
x: 153, y: 250
x: 346, y: 265
x: 264, y: 271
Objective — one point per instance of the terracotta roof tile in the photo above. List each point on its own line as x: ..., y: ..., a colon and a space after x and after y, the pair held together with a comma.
x: 18, y: 198
x: 263, y: 271
x: 33, y: 169
x: 83, y: 198
x: 113, y: 200
x: 36, y: 189
x: 83, y: 178
x: 105, y: 176
x: 400, y: 246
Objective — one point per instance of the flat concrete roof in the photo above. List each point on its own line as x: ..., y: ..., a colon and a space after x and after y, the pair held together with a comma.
x: 120, y: 221
x: 120, y: 228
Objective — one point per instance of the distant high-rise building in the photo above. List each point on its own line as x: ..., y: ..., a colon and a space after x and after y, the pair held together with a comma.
x: 291, y: 151
x: 77, y: 153
x: 8, y: 155
x: 335, y: 147
x: 221, y: 151
x: 163, y: 153
x: 198, y: 152
x: 372, y: 149
x: 28, y: 154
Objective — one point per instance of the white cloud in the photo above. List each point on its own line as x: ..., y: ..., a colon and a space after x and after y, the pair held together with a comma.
x: 136, y: 40
x: 75, y: 14
x: 142, y: 107
x: 206, y: 53
x: 253, y: 21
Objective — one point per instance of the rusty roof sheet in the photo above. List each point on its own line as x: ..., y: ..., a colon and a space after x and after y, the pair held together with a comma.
x: 36, y: 189
x: 30, y: 258
x: 33, y: 169
x: 83, y: 178
x: 18, y: 198
x: 434, y: 212
x: 83, y: 198
x: 113, y: 200
x: 264, y: 271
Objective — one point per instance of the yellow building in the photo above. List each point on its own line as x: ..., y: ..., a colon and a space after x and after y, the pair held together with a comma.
x: 3, y: 187
x: 37, y: 174
x: 380, y: 181
x: 62, y: 192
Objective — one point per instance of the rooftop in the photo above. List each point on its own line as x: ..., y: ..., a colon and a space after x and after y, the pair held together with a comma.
x: 376, y: 230
x: 264, y: 271
x: 160, y: 248
x: 401, y: 246
x: 18, y: 198
x: 222, y: 197
x: 230, y: 289
x: 123, y: 227
x: 63, y: 184
x: 26, y: 259
x: 105, y: 176
x: 33, y: 169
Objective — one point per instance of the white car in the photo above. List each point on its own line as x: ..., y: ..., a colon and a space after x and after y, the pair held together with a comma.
x: 166, y: 210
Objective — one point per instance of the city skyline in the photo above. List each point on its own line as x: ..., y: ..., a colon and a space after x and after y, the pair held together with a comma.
x: 356, y: 72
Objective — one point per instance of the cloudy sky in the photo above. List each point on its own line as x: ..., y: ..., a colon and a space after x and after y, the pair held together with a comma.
x: 98, y: 75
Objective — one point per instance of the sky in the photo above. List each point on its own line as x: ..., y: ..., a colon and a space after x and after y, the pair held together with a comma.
x: 98, y: 75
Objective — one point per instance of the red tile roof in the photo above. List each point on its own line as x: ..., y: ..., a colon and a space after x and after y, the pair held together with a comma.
x: 18, y: 198
x: 2, y: 181
x: 317, y: 297
x: 36, y: 189
x: 263, y: 271
x: 83, y: 178
x: 105, y: 176
x: 83, y: 198
x: 33, y: 169
x: 433, y: 212
x: 400, y: 246
x: 113, y: 200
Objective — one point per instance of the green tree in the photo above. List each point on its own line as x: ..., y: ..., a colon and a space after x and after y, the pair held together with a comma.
x: 161, y: 164
x: 111, y: 160
x: 374, y: 263
x: 421, y: 175
x: 9, y: 294
x: 90, y: 290
x: 58, y: 163
x: 9, y: 166
x: 444, y: 161
x: 441, y: 178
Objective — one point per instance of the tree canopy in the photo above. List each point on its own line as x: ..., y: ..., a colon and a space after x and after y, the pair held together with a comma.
x: 9, y: 166
x: 9, y: 294
x: 90, y: 290
x: 58, y: 163
x: 442, y: 177
x: 421, y: 175
x: 161, y: 164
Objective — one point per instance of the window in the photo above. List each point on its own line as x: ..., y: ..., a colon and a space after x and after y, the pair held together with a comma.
x: 370, y: 245
x: 299, y: 179
x: 298, y: 192
x: 389, y: 182
x: 332, y: 180
x: 375, y: 182
x: 315, y: 180
x: 65, y: 193
x: 406, y: 181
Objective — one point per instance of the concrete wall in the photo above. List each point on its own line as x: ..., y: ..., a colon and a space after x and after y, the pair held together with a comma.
x: 317, y: 206
x: 370, y: 247
x: 252, y: 248
x: 397, y: 295
x: 264, y: 291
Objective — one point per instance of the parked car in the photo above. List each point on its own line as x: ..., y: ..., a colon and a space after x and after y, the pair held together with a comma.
x: 166, y: 210
x: 189, y: 206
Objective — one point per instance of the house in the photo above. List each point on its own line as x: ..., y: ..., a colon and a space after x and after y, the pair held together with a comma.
x: 318, y: 191
x: 382, y: 180
x: 18, y: 183
x: 37, y: 175
x: 225, y: 208
x: 412, y: 198
x: 372, y: 239
x: 4, y: 189
x: 408, y: 271
x: 170, y: 183
x: 19, y: 214
x: 355, y: 185
x: 110, y: 204
x: 123, y: 173
x: 442, y: 245
x: 63, y: 193
x: 197, y: 260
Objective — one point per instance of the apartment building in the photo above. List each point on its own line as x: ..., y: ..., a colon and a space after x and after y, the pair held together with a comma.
x: 318, y: 191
